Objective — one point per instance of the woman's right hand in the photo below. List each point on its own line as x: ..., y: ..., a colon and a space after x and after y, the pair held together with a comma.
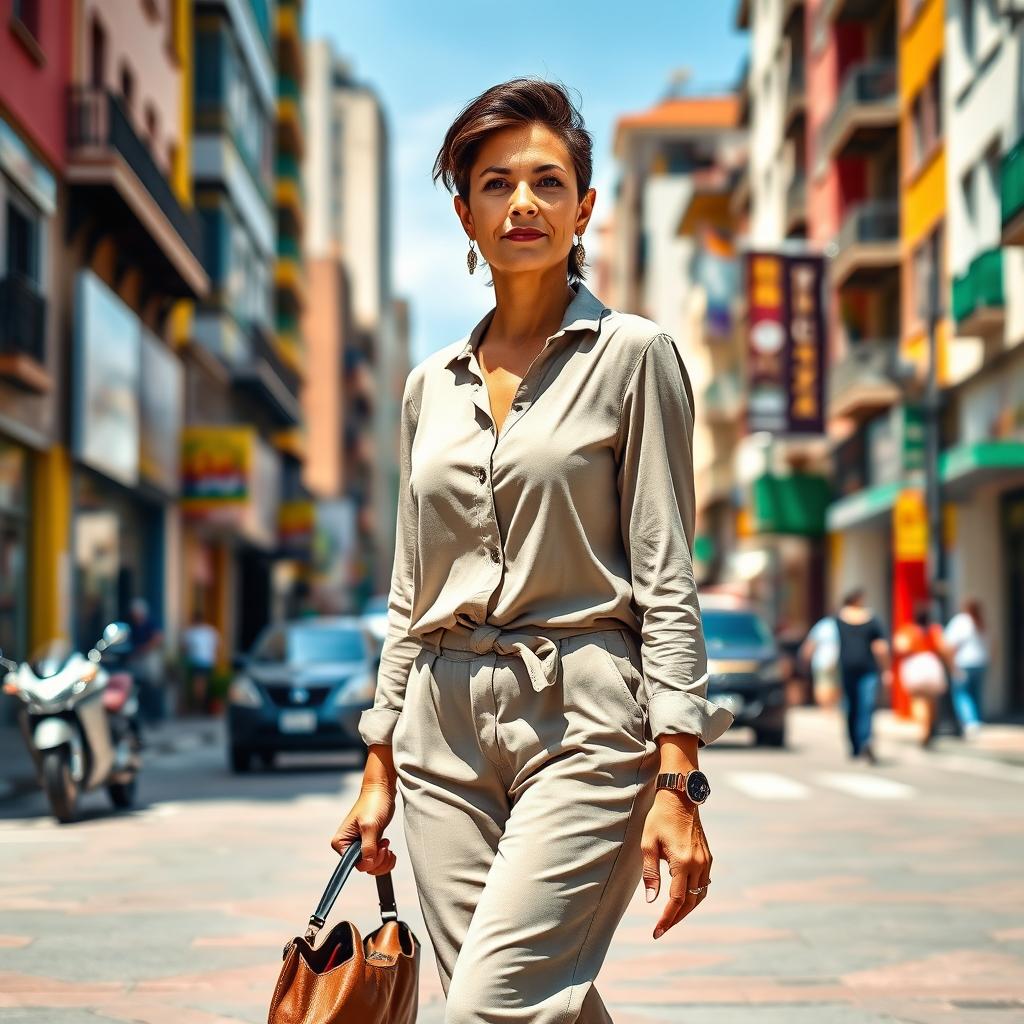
x: 365, y: 824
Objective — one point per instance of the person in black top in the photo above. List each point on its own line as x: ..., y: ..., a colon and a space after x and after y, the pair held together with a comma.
x: 864, y: 657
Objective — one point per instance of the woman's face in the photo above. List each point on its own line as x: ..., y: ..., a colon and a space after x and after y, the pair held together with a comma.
x: 522, y: 208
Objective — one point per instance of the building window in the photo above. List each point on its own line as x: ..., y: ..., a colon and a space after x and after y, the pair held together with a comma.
x: 97, y: 55
x: 926, y: 261
x: 926, y: 119
x: 23, y: 238
x: 127, y: 87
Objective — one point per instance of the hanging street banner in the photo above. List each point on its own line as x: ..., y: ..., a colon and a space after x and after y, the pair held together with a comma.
x: 786, y: 343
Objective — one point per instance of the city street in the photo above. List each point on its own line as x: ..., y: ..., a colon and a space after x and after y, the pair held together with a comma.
x: 841, y: 893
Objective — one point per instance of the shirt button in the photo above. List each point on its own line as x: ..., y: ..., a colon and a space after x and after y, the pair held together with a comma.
x: 480, y: 472
x: 495, y: 555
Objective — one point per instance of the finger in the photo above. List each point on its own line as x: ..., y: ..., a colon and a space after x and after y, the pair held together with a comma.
x: 651, y: 873
x: 676, y: 897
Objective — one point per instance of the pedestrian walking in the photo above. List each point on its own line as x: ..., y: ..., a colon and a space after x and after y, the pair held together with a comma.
x: 864, y: 660
x: 544, y: 663
x: 201, y: 642
x: 968, y: 642
x: 146, y: 661
x: 821, y: 650
x: 924, y: 662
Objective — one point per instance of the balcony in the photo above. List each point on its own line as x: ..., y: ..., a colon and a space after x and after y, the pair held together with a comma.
x: 978, y: 303
x: 264, y: 376
x: 866, y: 112
x: 796, y: 205
x: 288, y: 26
x: 867, y: 245
x: 1012, y: 188
x: 850, y: 10
x: 22, y: 334
x: 115, y: 180
x: 796, y: 98
x: 865, y: 380
x: 290, y: 118
x: 289, y: 279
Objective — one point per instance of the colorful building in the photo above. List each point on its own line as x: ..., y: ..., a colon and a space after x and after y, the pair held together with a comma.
x: 35, y: 52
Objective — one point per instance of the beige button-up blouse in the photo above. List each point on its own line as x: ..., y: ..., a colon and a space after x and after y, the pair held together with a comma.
x: 580, y: 513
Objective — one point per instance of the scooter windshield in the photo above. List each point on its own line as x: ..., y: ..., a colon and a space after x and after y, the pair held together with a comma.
x: 50, y: 659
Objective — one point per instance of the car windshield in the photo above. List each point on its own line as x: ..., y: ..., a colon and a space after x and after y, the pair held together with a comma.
x: 724, y: 629
x: 310, y: 645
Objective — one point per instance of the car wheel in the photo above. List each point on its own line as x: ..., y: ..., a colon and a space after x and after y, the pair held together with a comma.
x: 241, y: 759
x: 770, y: 738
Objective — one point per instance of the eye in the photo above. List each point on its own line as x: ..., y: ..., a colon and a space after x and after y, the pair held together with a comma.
x: 547, y: 178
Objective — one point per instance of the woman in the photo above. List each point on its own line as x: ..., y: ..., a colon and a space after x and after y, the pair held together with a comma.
x: 925, y: 661
x: 863, y: 659
x: 821, y: 650
x: 545, y: 658
x: 966, y: 639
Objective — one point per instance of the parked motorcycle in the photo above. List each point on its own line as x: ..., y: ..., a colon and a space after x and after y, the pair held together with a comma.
x: 78, y: 720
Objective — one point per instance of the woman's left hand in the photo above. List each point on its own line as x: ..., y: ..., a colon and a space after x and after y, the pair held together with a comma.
x: 673, y: 832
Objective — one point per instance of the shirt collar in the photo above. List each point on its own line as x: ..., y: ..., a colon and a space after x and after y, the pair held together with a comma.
x: 583, y: 313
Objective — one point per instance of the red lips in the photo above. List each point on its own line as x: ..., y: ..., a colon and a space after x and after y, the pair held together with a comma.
x: 524, y: 233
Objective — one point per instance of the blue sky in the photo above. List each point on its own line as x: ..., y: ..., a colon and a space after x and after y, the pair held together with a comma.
x: 426, y: 60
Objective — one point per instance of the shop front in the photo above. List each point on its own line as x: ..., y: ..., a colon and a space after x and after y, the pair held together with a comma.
x: 14, y: 543
x: 126, y: 429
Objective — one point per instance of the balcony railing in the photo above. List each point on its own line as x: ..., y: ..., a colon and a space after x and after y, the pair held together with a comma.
x: 97, y: 122
x: 868, y: 98
x: 22, y: 319
x: 866, y: 377
x: 1012, y: 188
x: 980, y: 290
x: 877, y: 220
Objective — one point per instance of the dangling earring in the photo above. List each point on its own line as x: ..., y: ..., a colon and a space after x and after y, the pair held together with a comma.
x: 471, y: 257
x: 579, y: 254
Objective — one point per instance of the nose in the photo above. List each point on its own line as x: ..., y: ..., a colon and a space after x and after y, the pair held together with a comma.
x: 523, y: 200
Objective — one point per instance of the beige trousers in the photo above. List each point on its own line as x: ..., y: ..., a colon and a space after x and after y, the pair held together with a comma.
x: 524, y: 805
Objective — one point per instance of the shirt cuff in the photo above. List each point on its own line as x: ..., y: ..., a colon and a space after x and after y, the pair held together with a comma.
x: 674, y: 711
x: 377, y: 724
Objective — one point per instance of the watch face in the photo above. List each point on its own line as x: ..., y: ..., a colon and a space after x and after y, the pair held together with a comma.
x: 698, y: 789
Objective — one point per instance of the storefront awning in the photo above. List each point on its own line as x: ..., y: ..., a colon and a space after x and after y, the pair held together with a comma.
x: 863, y: 508
x: 968, y: 466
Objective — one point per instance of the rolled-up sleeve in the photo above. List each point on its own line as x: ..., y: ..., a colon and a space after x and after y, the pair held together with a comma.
x: 376, y: 724
x: 654, y: 449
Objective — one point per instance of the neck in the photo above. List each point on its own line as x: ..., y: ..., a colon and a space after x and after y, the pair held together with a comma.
x: 529, y: 305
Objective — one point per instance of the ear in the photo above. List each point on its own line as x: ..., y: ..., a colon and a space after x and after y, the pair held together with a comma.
x: 586, y: 210
x: 465, y: 216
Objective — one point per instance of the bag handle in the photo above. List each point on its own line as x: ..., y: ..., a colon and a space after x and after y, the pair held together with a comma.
x: 385, y: 891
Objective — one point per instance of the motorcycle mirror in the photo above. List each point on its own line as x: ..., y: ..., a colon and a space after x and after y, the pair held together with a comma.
x: 116, y: 633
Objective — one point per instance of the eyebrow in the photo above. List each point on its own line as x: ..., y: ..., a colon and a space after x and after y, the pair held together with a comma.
x: 536, y: 170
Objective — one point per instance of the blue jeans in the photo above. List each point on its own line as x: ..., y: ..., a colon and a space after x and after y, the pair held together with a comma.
x: 966, y: 694
x: 859, y: 693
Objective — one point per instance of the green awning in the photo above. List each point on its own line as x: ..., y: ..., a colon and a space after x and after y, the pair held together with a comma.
x: 965, y: 466
x: 862, y: 508
x: 793, y: 504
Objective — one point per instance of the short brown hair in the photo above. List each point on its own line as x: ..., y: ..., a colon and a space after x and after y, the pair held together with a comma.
x: 519, y: 101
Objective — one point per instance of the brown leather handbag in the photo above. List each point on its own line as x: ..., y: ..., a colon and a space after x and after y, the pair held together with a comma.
x: 348, y: 978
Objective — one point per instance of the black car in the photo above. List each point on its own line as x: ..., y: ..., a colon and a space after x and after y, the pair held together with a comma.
x: 302, y: 687
x: 745, y: 670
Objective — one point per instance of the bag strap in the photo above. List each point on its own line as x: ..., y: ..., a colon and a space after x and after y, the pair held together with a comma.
x: 385, y: 891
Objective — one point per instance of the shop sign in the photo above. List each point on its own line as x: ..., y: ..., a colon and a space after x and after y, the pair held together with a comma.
x: 32, y: 177
x: 296, y: 525
x: 231, y: 479
x: 161, y: 400
x: 107, y: 366
x: 910, y: 527
x: 786, y: 343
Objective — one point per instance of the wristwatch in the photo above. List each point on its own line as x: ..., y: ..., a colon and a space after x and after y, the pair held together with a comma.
x: 693, y: 784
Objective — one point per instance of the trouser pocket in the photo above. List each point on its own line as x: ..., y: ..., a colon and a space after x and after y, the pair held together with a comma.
x: 620, y: 654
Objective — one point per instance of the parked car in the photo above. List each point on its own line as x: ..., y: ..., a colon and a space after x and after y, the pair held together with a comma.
x: 375, y: 617
x: 746, y: 671
x: 302, y: 687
